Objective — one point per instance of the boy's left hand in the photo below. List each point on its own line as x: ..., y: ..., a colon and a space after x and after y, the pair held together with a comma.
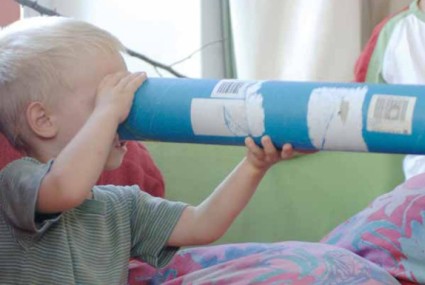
x: 263, y: 158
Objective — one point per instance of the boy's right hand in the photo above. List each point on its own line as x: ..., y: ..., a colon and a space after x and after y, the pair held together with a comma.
x: 263, y: 158
x: 116, y: 92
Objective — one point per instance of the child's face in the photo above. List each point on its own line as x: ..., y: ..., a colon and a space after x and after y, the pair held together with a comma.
x: 75, y: 109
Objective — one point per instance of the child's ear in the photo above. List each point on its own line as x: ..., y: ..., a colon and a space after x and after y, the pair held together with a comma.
x: 40, y: 121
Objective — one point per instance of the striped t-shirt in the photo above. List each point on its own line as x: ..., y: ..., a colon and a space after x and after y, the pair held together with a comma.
x: 90, y: 244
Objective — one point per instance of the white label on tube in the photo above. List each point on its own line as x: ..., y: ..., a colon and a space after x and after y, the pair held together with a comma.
x: 219, y: 117
x: 391, y: 114
x: 234, y: 109
x: 335, y: 119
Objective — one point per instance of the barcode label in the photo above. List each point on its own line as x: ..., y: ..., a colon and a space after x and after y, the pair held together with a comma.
x: 231, y: 89
x: 391, y: 114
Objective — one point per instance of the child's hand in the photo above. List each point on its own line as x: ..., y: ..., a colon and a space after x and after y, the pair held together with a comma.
x: 262, y: 158
x: 116, y: 92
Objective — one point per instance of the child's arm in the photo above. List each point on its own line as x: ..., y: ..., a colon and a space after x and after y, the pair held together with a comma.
x: 79, y: 165
x: 211, y: 219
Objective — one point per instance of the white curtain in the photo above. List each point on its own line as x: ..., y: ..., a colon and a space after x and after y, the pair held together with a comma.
x: 164, y: 30
x: 316, y: 40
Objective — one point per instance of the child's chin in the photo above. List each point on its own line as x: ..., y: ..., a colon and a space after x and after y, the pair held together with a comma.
x: 115, y: 159
x: 113, y: 164
x: 111, y: 167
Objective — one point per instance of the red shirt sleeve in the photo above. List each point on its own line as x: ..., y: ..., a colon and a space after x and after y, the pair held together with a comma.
x: 7, y: 152
x: 362, y: 63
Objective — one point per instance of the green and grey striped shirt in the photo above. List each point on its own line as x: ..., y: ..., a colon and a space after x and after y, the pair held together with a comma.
x: 90, y: 244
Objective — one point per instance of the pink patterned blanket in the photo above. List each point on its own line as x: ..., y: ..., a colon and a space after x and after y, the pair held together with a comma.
x: 259, y: 263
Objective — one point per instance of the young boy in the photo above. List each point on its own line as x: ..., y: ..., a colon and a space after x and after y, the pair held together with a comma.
x: 64, y: 89
x: 395, y: 54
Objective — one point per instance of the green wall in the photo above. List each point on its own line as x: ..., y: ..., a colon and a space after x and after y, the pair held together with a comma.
x: 300, y: 199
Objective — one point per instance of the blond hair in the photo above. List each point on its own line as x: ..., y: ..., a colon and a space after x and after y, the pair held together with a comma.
x: 36, y: 57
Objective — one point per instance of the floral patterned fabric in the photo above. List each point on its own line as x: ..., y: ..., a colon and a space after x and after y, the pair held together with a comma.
x: 390, y: 232
x: 258, y: 263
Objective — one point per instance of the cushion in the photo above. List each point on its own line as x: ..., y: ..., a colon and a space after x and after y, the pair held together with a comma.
x: 261, y: 263
x: 390, y: 232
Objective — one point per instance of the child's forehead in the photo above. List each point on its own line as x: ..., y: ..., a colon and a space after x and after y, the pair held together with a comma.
x: 108, y: 63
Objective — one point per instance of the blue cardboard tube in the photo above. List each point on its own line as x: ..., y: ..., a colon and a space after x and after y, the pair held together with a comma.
x: 309, y: 115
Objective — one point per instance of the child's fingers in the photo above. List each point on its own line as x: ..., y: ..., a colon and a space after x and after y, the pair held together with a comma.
x: 113, y: 79
x: 268, y: 146
x: 132, y: 81
x: 253, y: 147
x: 137, y: 80
x: 287, y: 151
